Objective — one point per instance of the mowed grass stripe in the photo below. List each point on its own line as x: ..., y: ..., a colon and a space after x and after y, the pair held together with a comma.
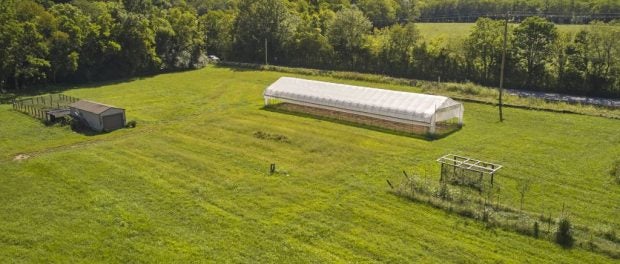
x: 196, y: 186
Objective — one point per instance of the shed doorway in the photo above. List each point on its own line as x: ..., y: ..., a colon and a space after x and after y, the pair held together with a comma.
x: 113, y: 122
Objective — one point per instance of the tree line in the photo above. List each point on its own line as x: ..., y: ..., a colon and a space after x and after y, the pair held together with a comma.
x: 341, y: 36
x: 52, y: 41
x: 558, y: 11
x: 73, y: 41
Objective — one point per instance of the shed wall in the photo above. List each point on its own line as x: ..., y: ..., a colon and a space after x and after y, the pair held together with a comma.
x: 109, y: 126
x: 92, y: 119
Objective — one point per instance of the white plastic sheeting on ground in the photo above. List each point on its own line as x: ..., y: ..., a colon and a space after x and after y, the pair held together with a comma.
x: 403, y: 107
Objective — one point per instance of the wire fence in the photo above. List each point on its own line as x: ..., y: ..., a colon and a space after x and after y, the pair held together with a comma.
x: 39, y: 106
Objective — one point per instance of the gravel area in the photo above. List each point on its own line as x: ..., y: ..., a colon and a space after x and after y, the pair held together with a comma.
x: 615, y: 103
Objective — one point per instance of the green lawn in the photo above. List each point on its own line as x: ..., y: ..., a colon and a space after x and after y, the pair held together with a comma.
x: 458, y: 31
x: 191, y: 182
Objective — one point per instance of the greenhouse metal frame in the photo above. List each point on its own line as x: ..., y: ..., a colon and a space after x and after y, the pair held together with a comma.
x: 396, y: 106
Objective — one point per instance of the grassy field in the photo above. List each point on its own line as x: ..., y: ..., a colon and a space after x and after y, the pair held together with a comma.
x: 457, y: 31
x: 191, y: 182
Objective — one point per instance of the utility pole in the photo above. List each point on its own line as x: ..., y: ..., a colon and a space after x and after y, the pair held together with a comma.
x: 266, y: 62
x: 501, y: 76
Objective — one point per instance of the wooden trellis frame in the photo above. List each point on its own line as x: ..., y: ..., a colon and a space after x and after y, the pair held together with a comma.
x: 468, y: 164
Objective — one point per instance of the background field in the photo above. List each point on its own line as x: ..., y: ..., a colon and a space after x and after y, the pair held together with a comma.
x: 457, y: 31
x: 191, y: 181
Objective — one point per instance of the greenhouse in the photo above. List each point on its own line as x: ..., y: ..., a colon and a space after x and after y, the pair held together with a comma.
x: 395, y: 106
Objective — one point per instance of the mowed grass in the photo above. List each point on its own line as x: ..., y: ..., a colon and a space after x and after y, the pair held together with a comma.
x: 460, y: 31
x: 191, y: 182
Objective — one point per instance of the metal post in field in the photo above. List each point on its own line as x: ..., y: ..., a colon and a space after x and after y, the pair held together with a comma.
x: 266, y: 62
x: 501, y: 78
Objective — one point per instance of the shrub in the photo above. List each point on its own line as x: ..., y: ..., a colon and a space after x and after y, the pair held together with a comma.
x: 131, y: 124
x: 536, y: 229
x: 444, y: 192
x: 564, y: 235
x: 611, y: 235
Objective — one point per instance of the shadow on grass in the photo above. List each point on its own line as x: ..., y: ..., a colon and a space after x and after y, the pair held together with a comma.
x: 88, y: 132
x: 238, y: 68
x: 41, y: 89
x: 80, y: 130
x: 428, y: 137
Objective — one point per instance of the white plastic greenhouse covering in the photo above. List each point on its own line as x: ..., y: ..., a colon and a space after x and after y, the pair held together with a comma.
x: 402, y: 107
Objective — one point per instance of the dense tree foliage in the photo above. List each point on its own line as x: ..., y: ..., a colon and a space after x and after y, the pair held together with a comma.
x: 59, y: 41
x: 49, y: 41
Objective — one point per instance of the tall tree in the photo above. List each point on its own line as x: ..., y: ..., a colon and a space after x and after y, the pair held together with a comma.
x: 398, y: 48
x: 407, y: 10
x: 484, y: 49
x: 347, y: 34
x: 8, y: 38
x: 603, y: 55
x: 180, y: 42
x: 381, y: 12
x: 310, y: 48
x: 533, y: 42
x: 138, y: 54
x: 29, y: 55
x: 259, y: 22
x: 101, y: 47
x: 66, y: 42
x: 218, y: 28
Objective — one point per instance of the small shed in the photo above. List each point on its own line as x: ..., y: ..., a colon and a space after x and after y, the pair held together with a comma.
x: 99, y: 117
x: 56, y: 114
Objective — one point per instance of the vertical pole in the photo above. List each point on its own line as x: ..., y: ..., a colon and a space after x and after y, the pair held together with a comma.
x: 441, y: 174
x: 481, y: 181
x: 266, y: 62
x: 454, y: 168
x: 501, y: 76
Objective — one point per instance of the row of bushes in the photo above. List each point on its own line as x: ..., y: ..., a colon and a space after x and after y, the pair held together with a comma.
x: 486, y: 208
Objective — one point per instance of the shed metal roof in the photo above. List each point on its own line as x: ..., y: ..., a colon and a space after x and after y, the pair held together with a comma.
x: 403, y: 105
x: 92, y: 107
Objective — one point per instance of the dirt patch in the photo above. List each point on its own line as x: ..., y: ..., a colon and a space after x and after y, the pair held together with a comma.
x: 441, y: 128
x: 21, y: 157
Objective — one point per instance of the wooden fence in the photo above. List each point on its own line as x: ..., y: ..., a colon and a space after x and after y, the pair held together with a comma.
x: 38, y: 106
